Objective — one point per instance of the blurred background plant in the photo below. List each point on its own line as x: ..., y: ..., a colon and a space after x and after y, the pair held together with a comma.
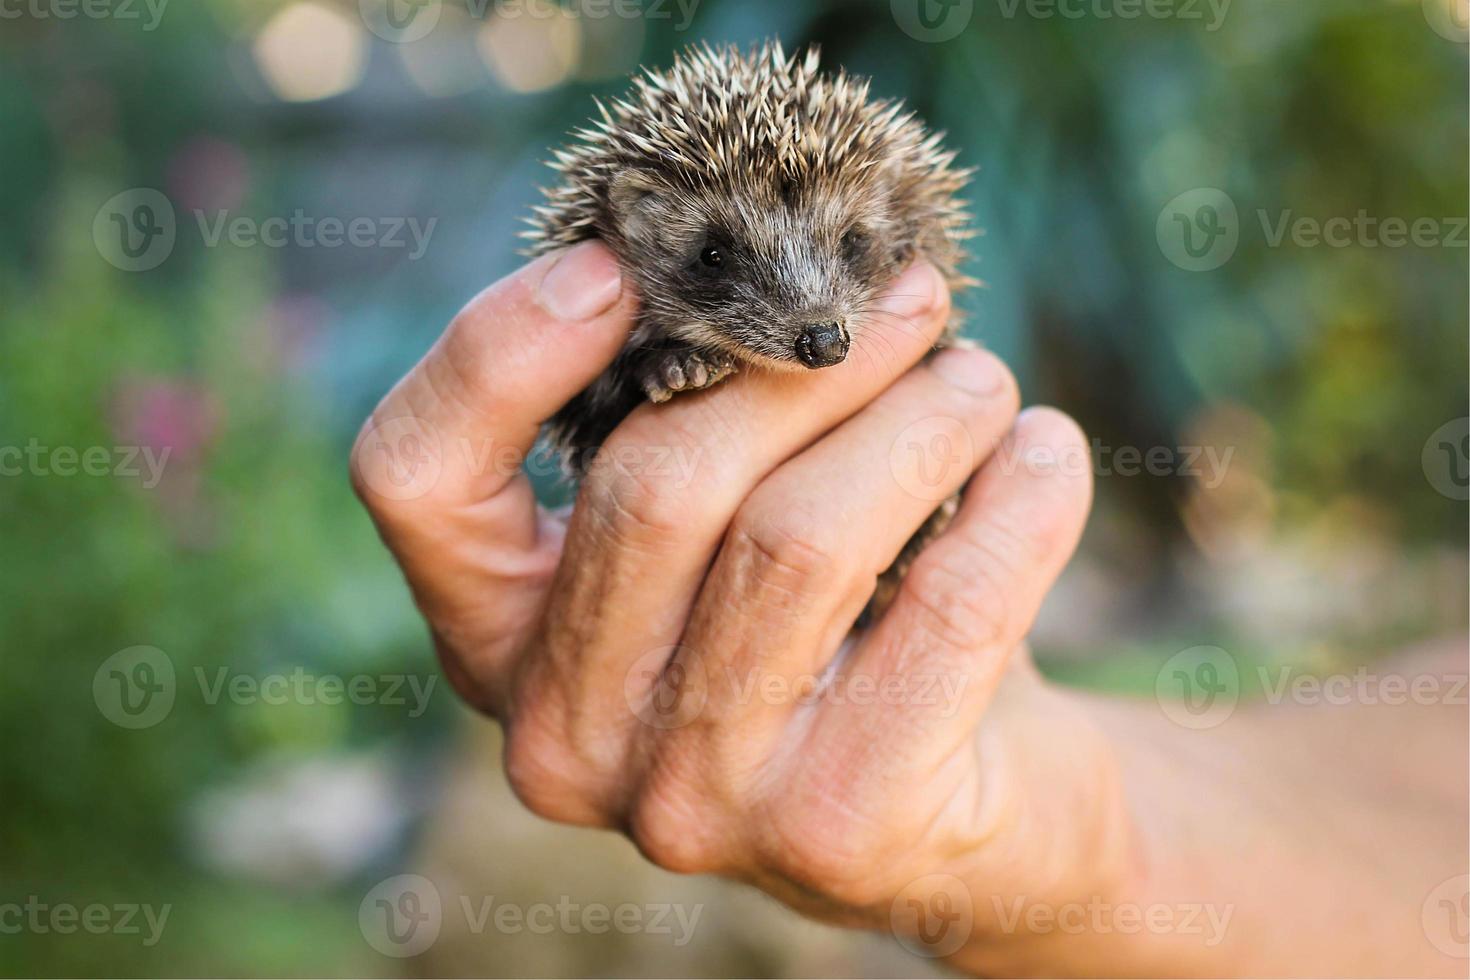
x: 1319, y: 382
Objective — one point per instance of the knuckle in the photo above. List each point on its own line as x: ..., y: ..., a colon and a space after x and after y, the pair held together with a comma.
x: 387, y: 511
x: 665, y: 828
x: 788, y: 547
x: 825, y: 847
x: 547, y: 777
x: 633, y: 501
x: 959, y: 594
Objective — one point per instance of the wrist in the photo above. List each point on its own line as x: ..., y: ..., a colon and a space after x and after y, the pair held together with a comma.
x: 1058, y: 888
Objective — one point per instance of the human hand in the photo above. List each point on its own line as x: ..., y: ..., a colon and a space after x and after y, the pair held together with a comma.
x: 673, y: 659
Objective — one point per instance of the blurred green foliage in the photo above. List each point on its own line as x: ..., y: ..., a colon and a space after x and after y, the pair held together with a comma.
x: 1331, y: 366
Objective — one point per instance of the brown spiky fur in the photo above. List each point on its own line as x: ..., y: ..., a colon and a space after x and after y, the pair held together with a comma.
x: 815, y: 197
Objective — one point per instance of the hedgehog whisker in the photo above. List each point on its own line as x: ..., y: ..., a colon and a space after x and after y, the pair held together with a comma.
x: 900, y: 324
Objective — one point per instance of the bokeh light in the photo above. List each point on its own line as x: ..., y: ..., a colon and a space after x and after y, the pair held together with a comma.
x: 532, y: 47
x: 309, y: 51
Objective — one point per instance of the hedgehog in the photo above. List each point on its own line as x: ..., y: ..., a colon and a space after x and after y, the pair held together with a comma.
x: 760, y: 207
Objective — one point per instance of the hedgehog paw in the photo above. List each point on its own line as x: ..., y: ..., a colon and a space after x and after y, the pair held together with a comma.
x: 675, y: 371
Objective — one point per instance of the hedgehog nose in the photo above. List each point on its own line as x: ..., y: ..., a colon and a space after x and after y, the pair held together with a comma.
x: 822, y: 345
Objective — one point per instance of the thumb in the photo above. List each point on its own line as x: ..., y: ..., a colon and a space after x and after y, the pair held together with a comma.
x: 455, y: 430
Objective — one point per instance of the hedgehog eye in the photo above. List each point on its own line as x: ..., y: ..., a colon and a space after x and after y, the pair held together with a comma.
x: 716, y: 259
x: 854, y: 244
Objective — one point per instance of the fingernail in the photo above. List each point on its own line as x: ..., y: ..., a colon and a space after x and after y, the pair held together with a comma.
x: 915, y: 292
x: 585, y: 282
x: 975, y: 371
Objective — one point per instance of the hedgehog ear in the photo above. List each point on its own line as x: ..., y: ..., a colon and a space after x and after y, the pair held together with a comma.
x: 633, y: 196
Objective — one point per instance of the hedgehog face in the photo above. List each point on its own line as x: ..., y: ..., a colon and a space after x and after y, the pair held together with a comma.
x: 777, y: 274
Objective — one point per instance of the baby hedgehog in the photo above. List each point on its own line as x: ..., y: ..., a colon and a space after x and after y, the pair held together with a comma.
x: 761, y: 209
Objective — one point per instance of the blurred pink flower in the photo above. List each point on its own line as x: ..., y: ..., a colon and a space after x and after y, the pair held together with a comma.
x: 161, y: 414
x: 173, y: 423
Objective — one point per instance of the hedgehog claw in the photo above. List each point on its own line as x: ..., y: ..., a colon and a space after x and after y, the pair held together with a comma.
x: 676, y: 371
